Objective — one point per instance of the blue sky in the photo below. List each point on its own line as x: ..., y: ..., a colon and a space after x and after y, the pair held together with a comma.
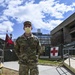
x: 44, y: 15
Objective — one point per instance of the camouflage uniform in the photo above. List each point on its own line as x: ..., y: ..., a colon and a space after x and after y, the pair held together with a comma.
x: 26, y: 49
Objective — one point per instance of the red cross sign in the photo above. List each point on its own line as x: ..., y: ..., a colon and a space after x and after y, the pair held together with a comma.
x: 54, y: 51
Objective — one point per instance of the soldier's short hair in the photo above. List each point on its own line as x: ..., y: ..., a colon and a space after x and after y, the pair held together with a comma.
x: 27, y: 22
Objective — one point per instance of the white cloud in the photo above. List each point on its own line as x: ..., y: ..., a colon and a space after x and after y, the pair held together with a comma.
x: 22, y: 10
x: 55, y: 9
x: 14, y: 3
x: 6, y: 26
x: 73, y: 4
x: 2, y: 36
x: 1, y: 1
x: 54, y: 23
x: 3, y: 18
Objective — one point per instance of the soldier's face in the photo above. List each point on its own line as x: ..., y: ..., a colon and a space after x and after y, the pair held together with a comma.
x: 28, y: 28
x: 28, y: 25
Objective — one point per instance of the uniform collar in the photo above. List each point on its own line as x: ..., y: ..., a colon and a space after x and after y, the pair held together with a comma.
x: 31, y: 35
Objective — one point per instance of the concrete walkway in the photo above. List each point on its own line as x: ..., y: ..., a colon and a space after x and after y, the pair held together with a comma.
x: 70, y: 64
x: 43, y: 70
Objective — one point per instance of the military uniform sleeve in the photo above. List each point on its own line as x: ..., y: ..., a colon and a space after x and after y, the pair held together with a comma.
x: 17, y: 47
x: 38, y: 47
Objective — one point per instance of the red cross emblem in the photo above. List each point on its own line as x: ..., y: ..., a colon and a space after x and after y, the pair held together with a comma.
x: 54, y: 51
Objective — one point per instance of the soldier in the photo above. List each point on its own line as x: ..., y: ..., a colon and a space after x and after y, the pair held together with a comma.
x: 27, y: 49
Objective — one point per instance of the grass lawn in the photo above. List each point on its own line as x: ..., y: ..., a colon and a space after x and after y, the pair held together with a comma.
x: 49, y: 62
x: 7, y: 71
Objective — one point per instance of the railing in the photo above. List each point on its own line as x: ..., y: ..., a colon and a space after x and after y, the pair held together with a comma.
x: 68, y: 52
x: 60, y: 65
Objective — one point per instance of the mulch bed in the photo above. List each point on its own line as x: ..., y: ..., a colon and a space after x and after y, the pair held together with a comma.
x: 7, y: 71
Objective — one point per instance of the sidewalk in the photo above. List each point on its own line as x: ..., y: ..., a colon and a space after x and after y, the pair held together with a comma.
x: 43, y: 70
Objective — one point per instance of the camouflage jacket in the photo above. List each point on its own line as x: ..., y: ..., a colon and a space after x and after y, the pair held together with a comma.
x: 27, y: 48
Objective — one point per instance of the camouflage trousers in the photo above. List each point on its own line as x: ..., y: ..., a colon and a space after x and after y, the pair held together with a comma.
x: 30, y: 69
